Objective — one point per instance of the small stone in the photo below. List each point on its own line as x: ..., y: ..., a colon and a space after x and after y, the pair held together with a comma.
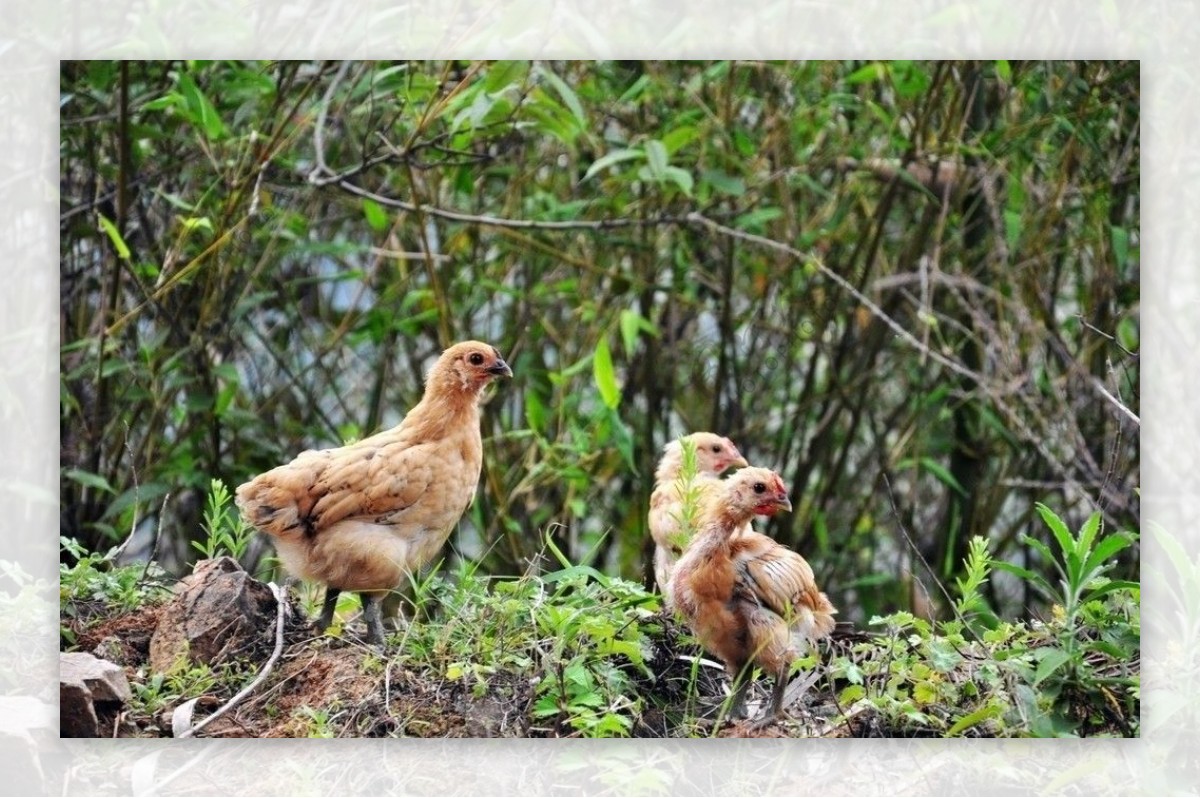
x: 218, y: 610
x: 84, y: 681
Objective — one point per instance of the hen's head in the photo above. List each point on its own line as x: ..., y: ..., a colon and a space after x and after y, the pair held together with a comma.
x: 469, y: 366
x: 755, y: 491
x: 714, y: 455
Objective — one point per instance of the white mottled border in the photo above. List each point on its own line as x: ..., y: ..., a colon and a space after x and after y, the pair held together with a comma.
x: 1158, y: 32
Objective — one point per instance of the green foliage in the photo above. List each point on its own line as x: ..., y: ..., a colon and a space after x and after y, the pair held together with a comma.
x: 226, y: 531
x: 1081, y: 562
x: 95, y: 579
x: 1073, y: 675
x: 976, y: 568
x: 280, y: 248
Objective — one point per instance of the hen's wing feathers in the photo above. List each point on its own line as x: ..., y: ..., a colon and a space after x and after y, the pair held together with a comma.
x: 773, y: 575
x: 320, y: 488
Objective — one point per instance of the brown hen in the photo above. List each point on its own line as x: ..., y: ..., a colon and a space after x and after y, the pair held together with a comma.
x: 714, y: 456
x: 363, y: 517
x: 748, y: 599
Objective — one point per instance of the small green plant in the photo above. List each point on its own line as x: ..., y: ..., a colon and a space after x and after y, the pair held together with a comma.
x: 226, y: 530
x: 689, y: 493
x: 978, y: 565
x: 94, y: 578
x: 156, y: 691
x: 1081, y: 562
x: 320, y: 722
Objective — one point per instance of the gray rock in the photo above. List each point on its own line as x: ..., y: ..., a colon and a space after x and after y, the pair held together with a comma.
x: 218, y: 611
x: 85, y: 681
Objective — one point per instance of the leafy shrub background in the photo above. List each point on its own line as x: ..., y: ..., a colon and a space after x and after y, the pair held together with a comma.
x: 911, y: 287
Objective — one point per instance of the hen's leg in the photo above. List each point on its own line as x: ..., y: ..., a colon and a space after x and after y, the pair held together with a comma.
x: 737, y: 709
x: 776, y: 707
x: 331, y: 597
x: 373, y: 614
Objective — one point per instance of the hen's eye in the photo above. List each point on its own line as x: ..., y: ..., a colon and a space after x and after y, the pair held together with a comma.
x: 476, y: 359
x: 716, y: 447
x: 759, y: 487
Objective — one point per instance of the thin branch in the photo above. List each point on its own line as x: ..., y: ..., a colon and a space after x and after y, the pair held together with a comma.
x: 521, y: 224
x: 281, y: 604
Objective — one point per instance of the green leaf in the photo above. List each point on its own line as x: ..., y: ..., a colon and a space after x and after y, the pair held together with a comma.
x: 376, y: 216
x: 1110, y: 586
x: 614, y: 157
x: 656, y: 158
x: 114, y: 236
x: 756, y: 219
x: 681, y: 178
x: 943, y: 474
x: 535, y: 412
x: 606, y: 380
x: 975, y: 718
x: 675, y: 140
x: 503, y: 74
x: 1004, y: 71
x: 630, y: 322
x: 200, y: 111
x: 1119, y: 238
x: 725, y: 183
x: 1050, y: 661
x: 1105, y: 550
x: 89, y: 479
x: 1061, y: 533
x: 851, y: 694
x: 565, y: 92
x: 1088, y: 533
x: 943, y: 656
x: 867, y: 74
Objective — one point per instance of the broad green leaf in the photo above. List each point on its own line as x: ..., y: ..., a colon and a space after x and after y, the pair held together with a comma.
x: 656, y: 158
x: 606, y: 379
x: 725, y: 183
x: 681, y: 178
x: 1105, y: 550
x: 114, y: 235
x: 535, y: 412
x: 1004, y: 71
x: 503, y: 74
x: 565, y: 92
x: 1088, y: 533
x: 89, y: 479
x: 1119, y: 237
x: 942, y: 473
x: 851, y: 694
x: 1051, y: 661
x: 943, y: 656
x: 1109, y: 587
x: 608, y: 159
x: 756, y: 219
x: 870, y: 72
x: 376, y: 216
x: 1066, y: 541
x: 630, y: 321
x: 975, y: 718
x: 200, y: 111
x: 680, y: 137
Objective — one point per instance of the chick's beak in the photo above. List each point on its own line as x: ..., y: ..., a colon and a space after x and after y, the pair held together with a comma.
x: 500, y: 369
x: 738, y: 462
x: 783, y: 503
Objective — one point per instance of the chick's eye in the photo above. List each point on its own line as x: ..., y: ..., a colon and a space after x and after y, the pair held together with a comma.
x: 716, y: 447
x: 759, y: 487
x: 476, y: 359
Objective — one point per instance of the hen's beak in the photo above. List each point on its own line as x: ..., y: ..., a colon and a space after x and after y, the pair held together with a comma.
x: 740, y: 462
x: 783, y: 503
x: 500, y: 369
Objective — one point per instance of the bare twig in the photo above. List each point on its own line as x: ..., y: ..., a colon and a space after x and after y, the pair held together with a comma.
x: 281, y: 604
